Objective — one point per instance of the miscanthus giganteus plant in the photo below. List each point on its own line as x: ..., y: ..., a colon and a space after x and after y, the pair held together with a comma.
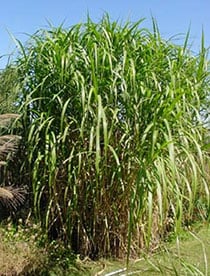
x: 113, y: 133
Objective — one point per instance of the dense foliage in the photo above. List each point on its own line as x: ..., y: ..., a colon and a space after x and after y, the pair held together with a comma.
x: 112, y: 134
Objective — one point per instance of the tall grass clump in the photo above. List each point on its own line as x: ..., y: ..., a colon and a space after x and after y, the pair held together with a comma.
x: 113, y: 137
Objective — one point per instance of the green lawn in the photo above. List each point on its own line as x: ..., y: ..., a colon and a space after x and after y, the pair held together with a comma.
x: 188, y: 255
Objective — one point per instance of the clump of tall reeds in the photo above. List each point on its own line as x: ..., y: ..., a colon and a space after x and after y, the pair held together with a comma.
x: 112, y: 133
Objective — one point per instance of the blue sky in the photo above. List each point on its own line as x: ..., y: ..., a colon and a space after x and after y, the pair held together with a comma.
x: 173, y: 17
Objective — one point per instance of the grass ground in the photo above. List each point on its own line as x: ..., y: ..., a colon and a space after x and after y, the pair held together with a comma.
x: 188, y: 255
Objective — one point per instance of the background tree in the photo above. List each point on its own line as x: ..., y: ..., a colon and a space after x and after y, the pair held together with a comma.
x: 8, y: 90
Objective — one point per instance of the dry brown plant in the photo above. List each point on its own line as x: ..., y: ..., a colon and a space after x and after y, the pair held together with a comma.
x: 10, y: 197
